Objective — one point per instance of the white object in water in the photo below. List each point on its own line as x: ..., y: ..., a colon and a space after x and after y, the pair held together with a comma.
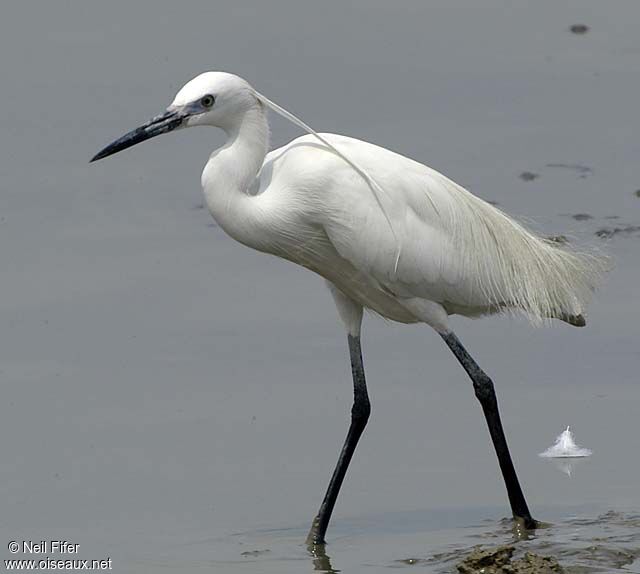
x: 565, y: 447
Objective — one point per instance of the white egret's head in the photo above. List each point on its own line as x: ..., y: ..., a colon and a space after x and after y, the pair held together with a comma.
x: 214, y: 99
x: 220, y: 99
x: 211, y: 99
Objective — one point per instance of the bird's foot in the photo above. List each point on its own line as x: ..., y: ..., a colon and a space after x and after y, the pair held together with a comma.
x: 524, y: 526
x: 315, y: 541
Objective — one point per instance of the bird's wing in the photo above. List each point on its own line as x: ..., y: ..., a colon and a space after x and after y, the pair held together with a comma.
x: 430, y: 239
x: 437, y: 241
x: 410, y: 251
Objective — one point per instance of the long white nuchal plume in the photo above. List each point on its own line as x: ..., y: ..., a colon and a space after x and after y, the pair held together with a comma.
x: 375, y: 187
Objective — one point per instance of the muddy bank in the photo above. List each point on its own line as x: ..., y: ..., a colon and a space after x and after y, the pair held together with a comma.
x: 609, y: 542
x: 500, y: 561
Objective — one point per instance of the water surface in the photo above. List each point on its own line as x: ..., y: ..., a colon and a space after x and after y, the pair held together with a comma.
x: 176, y: 401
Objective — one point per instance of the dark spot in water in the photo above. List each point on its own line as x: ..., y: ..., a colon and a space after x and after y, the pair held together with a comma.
x: 582, y: 170
x: 605, y: 233
x: 494, y: 203
x: 579, y: 29
x: 198, y: 206
x: 254, y: 553
x: 609, y: 232
x: 582, y: 216
x: 529, y: 176
x: 636, y: 193
x: 560, y: 239
x: 612, y: 217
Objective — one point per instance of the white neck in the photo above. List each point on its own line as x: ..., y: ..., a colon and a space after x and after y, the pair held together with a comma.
x: 232, y: 170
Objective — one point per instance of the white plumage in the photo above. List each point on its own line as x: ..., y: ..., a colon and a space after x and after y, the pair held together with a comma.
x: 387, y: 233
x: 458, y: 253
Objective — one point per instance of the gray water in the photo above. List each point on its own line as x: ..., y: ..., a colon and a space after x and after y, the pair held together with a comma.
x: 176, y: 402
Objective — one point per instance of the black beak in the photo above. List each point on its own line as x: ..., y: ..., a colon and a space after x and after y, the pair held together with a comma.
x: 161, y: 124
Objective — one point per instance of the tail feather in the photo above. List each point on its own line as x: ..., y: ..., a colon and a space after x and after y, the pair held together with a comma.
x: 575, y: 320
x: 518, y: 270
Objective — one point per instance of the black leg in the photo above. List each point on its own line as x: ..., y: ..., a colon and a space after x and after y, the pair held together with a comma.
x: 359, y: 416
x: 485, y: 393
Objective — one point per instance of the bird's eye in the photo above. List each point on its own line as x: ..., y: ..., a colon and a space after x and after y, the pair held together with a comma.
x: 207, y: 101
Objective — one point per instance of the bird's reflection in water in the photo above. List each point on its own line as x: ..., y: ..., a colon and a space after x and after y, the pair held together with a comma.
x: 321, y: 561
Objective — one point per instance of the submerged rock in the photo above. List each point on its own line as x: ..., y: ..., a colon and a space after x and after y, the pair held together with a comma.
x: 499, y: 561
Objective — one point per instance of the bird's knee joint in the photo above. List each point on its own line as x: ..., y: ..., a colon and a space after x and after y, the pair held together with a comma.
x: 360, y: 411
x: 483, y: 387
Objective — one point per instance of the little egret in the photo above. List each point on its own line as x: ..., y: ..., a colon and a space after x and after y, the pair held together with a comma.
x: 387, y: 234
